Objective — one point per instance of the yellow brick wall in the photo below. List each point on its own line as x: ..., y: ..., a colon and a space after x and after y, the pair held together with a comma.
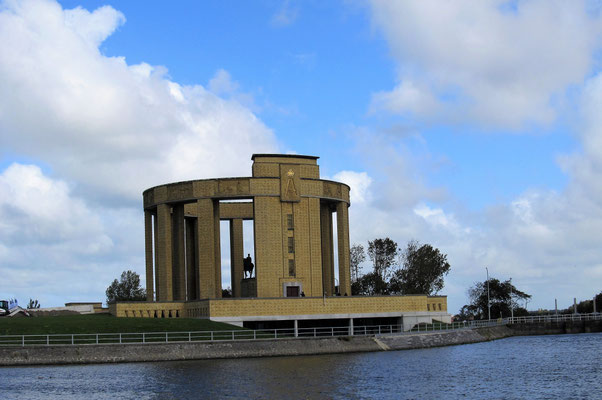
x: 205, y: 188
x: 268, y: 246
x: 261, y: 170
x: 309, y: 306
x: 280, y: 306
x: 265, y: 186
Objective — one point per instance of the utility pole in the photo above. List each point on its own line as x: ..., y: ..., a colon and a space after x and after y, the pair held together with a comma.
x: 488, y: 304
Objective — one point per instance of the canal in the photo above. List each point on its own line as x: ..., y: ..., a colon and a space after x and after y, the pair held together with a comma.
x: 528, y: 367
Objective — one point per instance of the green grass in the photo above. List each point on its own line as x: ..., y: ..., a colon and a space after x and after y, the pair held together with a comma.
x: 104, y: 323
x: 436, y: 325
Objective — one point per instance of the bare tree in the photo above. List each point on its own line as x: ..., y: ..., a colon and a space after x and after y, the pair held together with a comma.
x: 382, y: 253
x: 356, y: 257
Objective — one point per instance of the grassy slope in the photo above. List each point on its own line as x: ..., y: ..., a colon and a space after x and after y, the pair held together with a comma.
x: 103, y: 323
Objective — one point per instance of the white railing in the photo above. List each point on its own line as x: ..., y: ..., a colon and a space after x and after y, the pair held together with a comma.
x: 555, y: 318
x: 236, y: 335
x: 287, y: 333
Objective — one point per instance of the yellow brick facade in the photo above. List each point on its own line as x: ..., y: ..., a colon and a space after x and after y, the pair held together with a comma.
x: 283, y: 306
x: 294, y: 214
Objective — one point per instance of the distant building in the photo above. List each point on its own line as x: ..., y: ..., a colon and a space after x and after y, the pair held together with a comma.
x: 291, y: 276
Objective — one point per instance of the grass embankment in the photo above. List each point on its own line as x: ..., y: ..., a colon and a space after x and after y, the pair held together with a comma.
x: 104, y: 323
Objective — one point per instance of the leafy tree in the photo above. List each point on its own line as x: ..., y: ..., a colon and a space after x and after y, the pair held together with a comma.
x: 369, y: 285
x: 382, y: 253
x: 422, y: 271
x: 33, y: 304
x: 502, y: 296
x: 127, y: 289
x: 356, y: 257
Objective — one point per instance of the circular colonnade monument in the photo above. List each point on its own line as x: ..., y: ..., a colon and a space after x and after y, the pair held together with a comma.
x: 295, y: 215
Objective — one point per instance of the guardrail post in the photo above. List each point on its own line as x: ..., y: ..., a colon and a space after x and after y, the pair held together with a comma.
x: 232, y: 335
x: 166, y: 340
x: 72, y: 339
x: 143, y: 337
x: 212, y: 336
x: 190, y: 336
x: 97, y: 338
x: 120, y: 338
x: 254, y: 334
x: 47, y: 340
x: 23, y: 340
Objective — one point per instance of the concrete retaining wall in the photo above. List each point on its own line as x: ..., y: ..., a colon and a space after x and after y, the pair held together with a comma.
x: 262, y: 348
x: 557, y: 327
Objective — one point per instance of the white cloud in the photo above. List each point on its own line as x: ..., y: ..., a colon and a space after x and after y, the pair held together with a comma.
x: 547, y: 241
x: 222, y: 83
x: 94, y: 118
x: 286, y: 14
x: 491, y: 62
x: 107, y: 130
x: 359, y: 182
x: 48, y: 238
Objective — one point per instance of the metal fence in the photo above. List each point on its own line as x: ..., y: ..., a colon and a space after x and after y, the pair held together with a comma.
x: 555, y: 318
x: 287, y: 333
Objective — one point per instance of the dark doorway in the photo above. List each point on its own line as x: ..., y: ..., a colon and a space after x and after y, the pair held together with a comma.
x: 292, y: 291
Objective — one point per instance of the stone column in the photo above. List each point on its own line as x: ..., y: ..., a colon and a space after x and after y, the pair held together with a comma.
x: 327, y: 250
x: 192, y: 276
x: 156, y: 240
x: 179, y: 260
x: 208, y: 249
x: 164, y: 253
x: 343, y: 239
x: 236, y: 255
x: 148, y: 253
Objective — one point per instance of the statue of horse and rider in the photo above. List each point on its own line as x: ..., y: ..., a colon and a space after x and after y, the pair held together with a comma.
x: 248, y: 267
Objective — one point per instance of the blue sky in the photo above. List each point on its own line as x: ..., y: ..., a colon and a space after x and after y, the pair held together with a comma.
x: 458, y: 124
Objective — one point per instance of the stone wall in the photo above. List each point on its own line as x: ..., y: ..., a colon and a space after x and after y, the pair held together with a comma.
x: 88, y: 354
x: 557, y: 327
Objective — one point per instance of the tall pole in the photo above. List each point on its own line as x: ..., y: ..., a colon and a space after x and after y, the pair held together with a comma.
x: 488, y: 304
x: 511, y: 305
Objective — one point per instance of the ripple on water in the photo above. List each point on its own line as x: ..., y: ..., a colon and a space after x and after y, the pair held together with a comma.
x: 533, y: 367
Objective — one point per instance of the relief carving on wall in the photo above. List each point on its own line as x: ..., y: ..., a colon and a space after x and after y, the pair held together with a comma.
x: 290, y: 183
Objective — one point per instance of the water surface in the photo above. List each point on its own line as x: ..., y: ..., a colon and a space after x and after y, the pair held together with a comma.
x: 531, y: 367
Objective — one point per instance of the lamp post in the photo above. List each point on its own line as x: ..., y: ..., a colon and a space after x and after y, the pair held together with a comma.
x: 511, y: 305
x: 488, y: 304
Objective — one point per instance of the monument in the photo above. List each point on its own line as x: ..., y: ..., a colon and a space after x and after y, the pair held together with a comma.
x: 295, y: 273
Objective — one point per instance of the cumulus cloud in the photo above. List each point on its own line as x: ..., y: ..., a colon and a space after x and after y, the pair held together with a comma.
x: 94, y: 117
x: 547, y: 241
x: 47, y: 235
x: 106, y: 130
x: 359, y: 183
x: 496, y: 63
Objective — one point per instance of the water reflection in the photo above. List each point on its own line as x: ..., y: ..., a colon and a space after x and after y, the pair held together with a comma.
x: 539, y: 367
